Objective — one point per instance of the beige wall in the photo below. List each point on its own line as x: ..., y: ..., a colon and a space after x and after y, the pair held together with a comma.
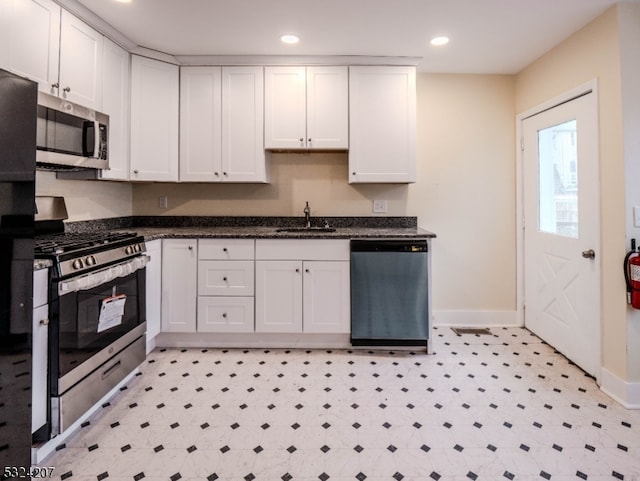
x: 466, y: 192
x: 320, y: 178
x: 629, y: 25
x: 593, y: 53
x: 87, y: 200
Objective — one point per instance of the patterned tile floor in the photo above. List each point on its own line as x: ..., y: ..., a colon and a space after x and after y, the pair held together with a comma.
x: 504, y: 406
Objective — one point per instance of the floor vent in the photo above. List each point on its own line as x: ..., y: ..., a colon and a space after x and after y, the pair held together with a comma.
x: 471, y: 330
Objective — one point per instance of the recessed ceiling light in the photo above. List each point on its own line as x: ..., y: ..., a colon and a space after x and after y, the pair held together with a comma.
x: 289, y: 38
x: 439, y: 41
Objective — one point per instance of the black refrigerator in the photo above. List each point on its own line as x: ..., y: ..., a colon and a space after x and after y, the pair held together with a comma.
x: 18, y: 111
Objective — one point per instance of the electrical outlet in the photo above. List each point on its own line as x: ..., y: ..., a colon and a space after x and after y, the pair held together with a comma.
x: 163, y: 202
x: 379, y: 206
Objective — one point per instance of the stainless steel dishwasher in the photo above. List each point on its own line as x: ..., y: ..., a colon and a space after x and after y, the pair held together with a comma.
x: 389, y: 292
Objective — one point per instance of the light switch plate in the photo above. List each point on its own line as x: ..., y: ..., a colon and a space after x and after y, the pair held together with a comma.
x: 379, y: 206
x: 636, y: 216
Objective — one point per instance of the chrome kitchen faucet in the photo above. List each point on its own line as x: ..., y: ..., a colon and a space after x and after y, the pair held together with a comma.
x: 307, y: 215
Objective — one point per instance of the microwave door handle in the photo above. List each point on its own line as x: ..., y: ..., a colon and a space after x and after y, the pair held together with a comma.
x: 96, y: 140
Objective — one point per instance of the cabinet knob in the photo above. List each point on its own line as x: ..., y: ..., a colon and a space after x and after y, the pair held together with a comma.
x: 224, y: 279
x: 224, y: 314
x: 44, y: 322
x: 135, y: 171
x: 217, y: 174
x: 190, y: 248
x: 55, y: 85
x: 306, y: 270
x: 309, y: 140
x: 66, y: 89
x: 297, y: 270
x: 225, y: 174
x: 353, y: 173
x: 224, y: 249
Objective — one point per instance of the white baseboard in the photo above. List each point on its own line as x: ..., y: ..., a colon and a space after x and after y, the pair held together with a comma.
x: 626, y: 393
x: 476, y: 318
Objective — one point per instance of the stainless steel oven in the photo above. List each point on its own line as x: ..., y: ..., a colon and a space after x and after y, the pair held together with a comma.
x: 97, y: 317
x: 97, y: 327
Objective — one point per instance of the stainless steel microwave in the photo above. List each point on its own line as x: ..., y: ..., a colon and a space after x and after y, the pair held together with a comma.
x: 70, y: 136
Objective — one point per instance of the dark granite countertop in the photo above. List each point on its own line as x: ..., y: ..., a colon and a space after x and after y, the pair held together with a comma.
x: 165, y: 227
x: 259, y: 232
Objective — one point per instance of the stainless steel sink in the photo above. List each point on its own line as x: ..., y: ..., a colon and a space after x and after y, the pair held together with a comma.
x: 306, y: 229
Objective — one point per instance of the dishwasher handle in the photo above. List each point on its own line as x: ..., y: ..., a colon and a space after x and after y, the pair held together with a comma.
x: 389, y: 245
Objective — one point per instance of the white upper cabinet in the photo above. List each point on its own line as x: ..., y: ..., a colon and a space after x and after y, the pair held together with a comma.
x: 154, y: 120
x: 382, y: 124
x: 115, y: 103
x: 243, y: 156
x: 200, y: 124
x: 30, y: 40
x: 221, y: 124
x: 306, y: 108
x: 40, y: 41
x: 80, y: 78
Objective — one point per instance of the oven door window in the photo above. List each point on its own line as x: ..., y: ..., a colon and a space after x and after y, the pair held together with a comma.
x: 86, y: 327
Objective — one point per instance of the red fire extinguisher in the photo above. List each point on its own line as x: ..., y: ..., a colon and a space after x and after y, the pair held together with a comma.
x: 632, y: 275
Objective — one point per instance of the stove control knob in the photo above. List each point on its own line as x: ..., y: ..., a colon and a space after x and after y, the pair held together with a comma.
x: 138, y: 248
x: 90, y: 261
x: 128, y: 250
x: 78, y: 264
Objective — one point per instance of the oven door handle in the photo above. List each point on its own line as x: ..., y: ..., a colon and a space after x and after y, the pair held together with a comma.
x: 97, y: 278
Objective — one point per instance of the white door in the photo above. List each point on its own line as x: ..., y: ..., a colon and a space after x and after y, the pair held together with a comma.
x: 561, y: 238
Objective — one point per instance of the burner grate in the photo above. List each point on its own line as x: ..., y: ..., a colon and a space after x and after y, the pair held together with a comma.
x: 68, y: 242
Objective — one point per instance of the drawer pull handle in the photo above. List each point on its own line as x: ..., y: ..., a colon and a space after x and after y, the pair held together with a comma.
x: 108, y: 371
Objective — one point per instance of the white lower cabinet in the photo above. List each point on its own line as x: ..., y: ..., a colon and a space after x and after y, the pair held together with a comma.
x: 302, y: 286
x: 225, y: 314
x: 225, y: 285
x: 153, y: 291
x: 40, y: 347
x: 179, y: 284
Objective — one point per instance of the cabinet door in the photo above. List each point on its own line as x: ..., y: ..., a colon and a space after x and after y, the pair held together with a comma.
x: 30, y: 40
x: 225, y: 314
x: 115, y: 103
x: 154, y: 290
x: 39, y: 380
x: 80, y: 62
x: 154, y: 120
x: 243, y: 157
x: 225, y: 278
x: 382, y: 124
x: 278, y: 296
x: 285, y: 108
x: 179, y: 285
x: 327, y: 108
x: 200, y: 124
x: 326, y: 295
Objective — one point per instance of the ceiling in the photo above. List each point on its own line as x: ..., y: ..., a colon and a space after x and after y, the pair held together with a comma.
x: 487, y: 36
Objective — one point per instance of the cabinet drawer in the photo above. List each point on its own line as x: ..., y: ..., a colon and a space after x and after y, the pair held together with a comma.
x: 225, y: 314
x: 225, y: 278
x: 226, y: 249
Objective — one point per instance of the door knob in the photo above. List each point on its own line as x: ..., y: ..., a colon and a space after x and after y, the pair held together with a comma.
x: 589, y: 254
